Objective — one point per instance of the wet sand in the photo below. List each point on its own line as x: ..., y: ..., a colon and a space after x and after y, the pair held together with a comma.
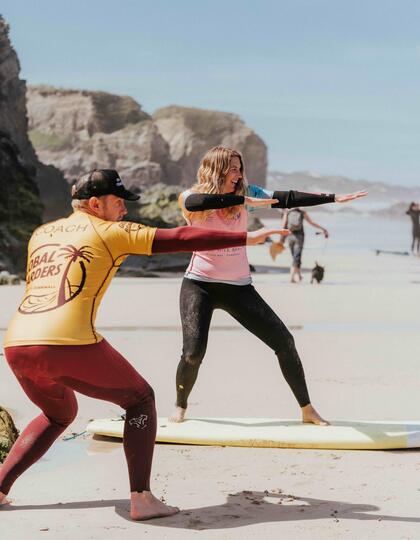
x: 358, y: 336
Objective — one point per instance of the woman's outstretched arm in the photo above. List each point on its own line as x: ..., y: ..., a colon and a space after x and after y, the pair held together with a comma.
x: 198, y: 202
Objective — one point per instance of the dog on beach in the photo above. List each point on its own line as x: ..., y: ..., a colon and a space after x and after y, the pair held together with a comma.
x: 317, y: 273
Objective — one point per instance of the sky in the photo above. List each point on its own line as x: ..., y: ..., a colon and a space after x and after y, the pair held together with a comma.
x: 331, y: 86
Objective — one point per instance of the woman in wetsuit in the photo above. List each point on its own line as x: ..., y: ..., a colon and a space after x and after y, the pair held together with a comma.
x: 414, y: 213
x: 221, y: 279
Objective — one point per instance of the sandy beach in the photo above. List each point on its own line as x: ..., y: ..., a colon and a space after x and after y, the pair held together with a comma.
x: 358, y: 336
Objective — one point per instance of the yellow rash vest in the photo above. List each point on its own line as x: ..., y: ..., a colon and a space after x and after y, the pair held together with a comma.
x: 70, y: 265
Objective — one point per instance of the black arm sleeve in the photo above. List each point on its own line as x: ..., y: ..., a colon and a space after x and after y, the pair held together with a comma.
x: 294, y: 199
x: 197, y: 202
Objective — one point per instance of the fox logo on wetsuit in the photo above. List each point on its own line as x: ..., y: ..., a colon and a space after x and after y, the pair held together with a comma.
x: 139, y: 422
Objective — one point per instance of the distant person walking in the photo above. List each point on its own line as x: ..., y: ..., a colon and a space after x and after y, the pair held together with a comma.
x: 293, y: 220
x: 414, y: 213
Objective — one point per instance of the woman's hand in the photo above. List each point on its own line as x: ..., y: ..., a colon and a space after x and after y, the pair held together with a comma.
x: 259, y: 236
x: 255, y: 201
x: 350, y: 196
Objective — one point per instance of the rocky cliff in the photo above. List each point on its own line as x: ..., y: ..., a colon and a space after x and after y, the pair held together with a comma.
x: 190, y: 132
x: 8, y: 433
x: 77, y: 130
x: 14, y: 126
x: 20, y: 206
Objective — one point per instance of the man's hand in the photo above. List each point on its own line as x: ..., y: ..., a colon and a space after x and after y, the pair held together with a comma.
x: 259, y: 236
x: 255, y: 201
x: 350, y: 196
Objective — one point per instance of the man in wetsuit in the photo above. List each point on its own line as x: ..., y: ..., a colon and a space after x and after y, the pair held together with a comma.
x: 52, y: 345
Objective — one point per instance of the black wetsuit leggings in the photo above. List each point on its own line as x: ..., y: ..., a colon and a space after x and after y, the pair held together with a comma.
x: 197, y: 302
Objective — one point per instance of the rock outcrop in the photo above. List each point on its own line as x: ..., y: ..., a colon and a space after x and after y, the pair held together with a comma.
x: 191, y: 132
x: 50, y: 182
x: 20, y: 207
x: 78, y: 130
x: 158, y: 207
x: 8, y: 433
x: 70, y: 116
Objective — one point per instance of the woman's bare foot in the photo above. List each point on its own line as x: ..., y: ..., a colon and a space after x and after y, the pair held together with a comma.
x: 310, y: 416
x: 4, y: 499
x: 144, y: 505
x: 178, y: 415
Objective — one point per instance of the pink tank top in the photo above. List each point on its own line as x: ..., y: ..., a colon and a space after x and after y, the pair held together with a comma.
x: 228, y: 265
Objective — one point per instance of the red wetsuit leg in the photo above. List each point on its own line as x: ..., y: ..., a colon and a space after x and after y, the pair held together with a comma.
x: 49, y: 374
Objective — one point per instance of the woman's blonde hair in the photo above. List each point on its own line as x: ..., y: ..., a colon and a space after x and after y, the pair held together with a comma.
x: 212, y: 173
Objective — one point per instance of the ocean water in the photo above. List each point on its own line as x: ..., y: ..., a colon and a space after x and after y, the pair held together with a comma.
x: 356, y: 232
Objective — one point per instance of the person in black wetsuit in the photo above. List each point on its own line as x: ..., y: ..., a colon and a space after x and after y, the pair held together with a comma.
x: 293, y: 220
x: 414, y: 213
x: 221, y: 279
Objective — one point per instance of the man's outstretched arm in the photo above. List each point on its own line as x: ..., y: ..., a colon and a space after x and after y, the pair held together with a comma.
x: 189, y: 239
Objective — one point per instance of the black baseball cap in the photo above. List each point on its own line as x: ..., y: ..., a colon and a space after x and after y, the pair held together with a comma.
x: 101, y: 182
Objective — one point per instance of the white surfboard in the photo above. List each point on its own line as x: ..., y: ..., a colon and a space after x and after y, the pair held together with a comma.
x: 274, y: 433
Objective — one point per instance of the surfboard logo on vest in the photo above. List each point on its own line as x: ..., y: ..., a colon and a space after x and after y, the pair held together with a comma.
x: 57, y: 273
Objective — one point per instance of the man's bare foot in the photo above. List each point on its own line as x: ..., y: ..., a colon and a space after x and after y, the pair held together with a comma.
x: 178, y: 415
x: 144, y: 505
x: 310, y: 416
x: 4, y: 499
